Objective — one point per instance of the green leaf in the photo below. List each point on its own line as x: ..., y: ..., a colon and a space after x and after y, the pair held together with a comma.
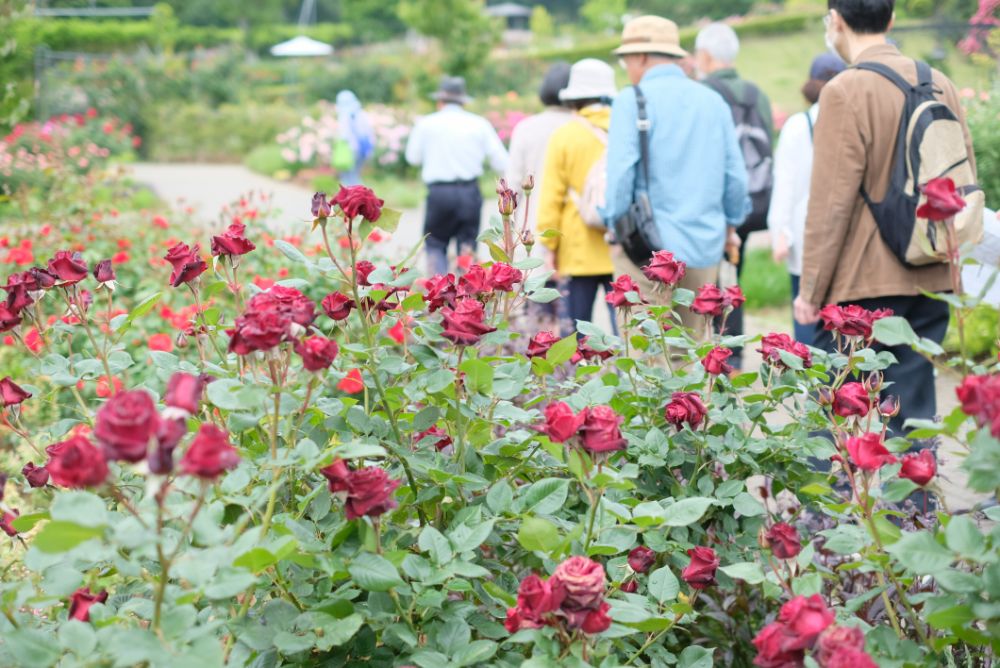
x: 144, y: 307
x: 330, y: 631
x: 58, y: 536
x: 478, y: 376
x: 748, y: 571
x: 695, y: 656
x: 544, y: 295
x: 949, y: 618
x: 536, y: 534
x: 255, y: 560
x: 959, y: 581
x: 500, y: 498
x: 747, y: 506
x: 897, y: 490
x: 31, y: 648
x: 920, y: 553
x: 291, y: 252
x: 561, y: 351
x: 686, y: 511
x: 81, y: 508
x: 545, y: 496
x: 497, y: 254
x: 374, y: 573
x: 426, y: 418
x: 389, y: 219
x: 436, y: 545
x: 845, y: 539
x: 478, y: 651
x: 26, y: 523
x: 964, y: 537
x: 77, y: 637
x: 894, y: 331
x: 663, y: 585
x: 465, y: 539
x: 232, y: 395
x: 229, y: 582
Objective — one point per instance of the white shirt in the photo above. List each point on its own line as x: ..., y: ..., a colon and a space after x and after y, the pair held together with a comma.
x: 793, y: 159
x: 976, y: 275
x: 527, y: 152
x: 451, y: 145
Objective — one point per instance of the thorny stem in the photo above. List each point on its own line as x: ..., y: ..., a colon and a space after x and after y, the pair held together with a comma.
x: 75, y: 305
x: 204, y: 325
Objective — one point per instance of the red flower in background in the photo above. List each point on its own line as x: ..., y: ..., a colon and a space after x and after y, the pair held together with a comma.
x: 943, y: 201
x: 561, y: 423
x: 772, y: 344
x: 11, y: 393
x: 6, y: 522
x: 465, y: 324
x: 441, y: 292
x: 184, y: 392
x: 337, y: 305
x: 804, y: 619
x: 474, y: 282
x: 126, y: 424
x: 540, y: 344
x: 583, y: 582
x: 504, y: 277
x: 76, y: 463
x: 352, y: 383
x: 980, y: 398
x: 602, y: 430
x: 160, y: 342
x: 920, y: 467
x: 317, y: 352
x: 784, y: 541
x: 68, y: 267
x: 336, y: 474
x: 82, y: 601
x: 37, y: 476
x: 641, y: 559
x: 210, y: 454
x: 620, y: 289
x: 441, y: 439
x: 369, y: 493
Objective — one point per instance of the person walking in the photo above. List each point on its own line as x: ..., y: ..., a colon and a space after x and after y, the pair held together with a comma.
x: 846, y: 260
x: 697, y: 176
x: 356, y: 140
x: 450, y: 146
x: 793, y: 161
x: 578, y: 249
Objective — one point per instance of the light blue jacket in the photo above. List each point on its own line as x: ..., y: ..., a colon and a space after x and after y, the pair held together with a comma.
x: 698, y: 179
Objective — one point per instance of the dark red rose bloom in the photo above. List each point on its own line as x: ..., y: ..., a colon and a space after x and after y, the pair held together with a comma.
x: 919, y: 467
x: 126, y: 424
x: 585, y: 352
x: 771, y: 652
x: 980, y: 397
x: 369, y: 492
x: 602, y: 430
x: 515, y: 622
x: 804, y: 619
x: 641, y: 559
x: 43, y: 278
x: 317, y: 352
x: 943, y: 201
x: 629, y: 586
x: 337, y: 474
x: 439, y: 437
x: 3, y: 484
x: 537, y: 598
x: 187, y: 264
x: 19, y: 288
x: 357, y: 201
x: 504, y: 277
x: 258, y: 330
x: 597, y: 621
x: 700, y: 573
x: 8, y: 319
x: 622, y: 286
x: 76, y: 463
x: 161, y: 456
x: 465, y: 324
x: 321, y: 208
x: 561, y: 423
x: 850, y: 658
x: 851, y: 320
x: 685, y: 408
x: 784, y: 541
x: 37, y: 476
x: 835, y: 640
x: 363, y: 269
x: 474, y: 282
x: 337, y: 305
x: 68, y: 267
x: 104, y: 272
x: 715, y: 361
x: 852, y: 399
x: 233, y: 241
x: 11, y: 393
x: 664, y: 268
x: 184, y: 391
x: 541, y: 343
x: 210, y: 454
x: 441, y: 292
x: 289, y: 302
x: 583, y: 583
x: 733, y: 297
x: 709, y: 301
x: 82, y: 601
x: 6, y: 522
x: 868, y: 452
x: 771, y: 344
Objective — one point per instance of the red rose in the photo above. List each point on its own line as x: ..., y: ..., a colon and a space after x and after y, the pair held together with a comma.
x: 441, y: 292
x: 317, y: 352
x: 19, y: 291
x: 700, y: 573
x: 369, y: 492
x: 169, y: 434
x: 804, y: 619
x: 357, y: 201
x: 68, y: 267
x: 733, y: 297
x: 464, y: 325
x: 851, y: 320
x: 257, y: 330
x: 850, y: 658
x: 363, y: 269
x: 784, y: 541
x: 561, y: 423
x: 715, y: 361
x: 852, y: 399
x: 126, y: 424
x: 685, y: 408
x: 43, y: 278
x: 82, y: 601
x: 582, y: 581
x: 232, y: 242
x: 11, y: 393
x: 709, y: 301
x: 836, y: 640
x: 540, y: 344
x: 602, y: 430
x: 585, y: 352
x: 620, y: 289
x: 641, y: 559
x: 664, y: 268
x: 8, y: 319
x: 629, y: 586
x: 771, y: 344
x: 37, y: 476
x: 597, y: 621
x: 503, y: 277
x: 515, y: 621
x: 184, y: 392
x: 187, y: 264
x: 321, y: 208
x: 771, y: 652
x: 868, y: 452
x: 104, y: 272
x: 337, y: 305
x: 474, y: 282
x: 288, y: 302
x: 537, y: 598
x: 919, y: 467
x: 6, y: 522
x: 337, y: 475
x: 210, y: 453
x: 980, y: 397
x: 439, y: 437
x: 76, y: 463
x: 943, y: 201
x: 352, y: 383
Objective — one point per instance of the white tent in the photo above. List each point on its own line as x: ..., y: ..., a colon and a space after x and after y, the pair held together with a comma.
x: 301, y: 46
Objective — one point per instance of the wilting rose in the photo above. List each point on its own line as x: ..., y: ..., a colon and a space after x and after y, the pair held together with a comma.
x: 321, y: 208
x: 504, y: 277
x: 233, y: 241
x: 68, y: 267
x: 585, y: 352
x: 76, y: 463
x: 602, y: 430
x: 20, y: 287
x: 317, y: 352
x: 8, y: 319
x: 715, y: 361
x: 541, y: 343
x: 784, y: 541
x: 369, y: 492
x: 851, y: 320
x: 37, y: 476
x: 733, y: 297
x: 597, y: 621
x: 868, y: 452
x: 82, y: 601
x: 184, y: 392
x: 772, y: 344
x: 258, y: 330
x: 104, y: 272
x: 7, y: 522
x: 620, y: 289
x: 337, y: 305
x: 125, y: 425
x: 43, y: 278
x: 850, y: 658
x: 210, y: 453
x: 664, y: 268
x: 583, y: 582
x: 700, y: 573
x: 187, y: 264
x: 836, y: 639
x: 11, y: 393
x: 441, y: 292
x: 537, y: 597
x: 561, y: 423
x: 709, y: 301
x: 288, y: 302
x: 357, y: 201
x: 363, y: 269
x: 852, y: 399
x: 516, y: 621
x: 474, y: 282
x: 804, y: 619
x: 337, y: 474
x: 943, y: 200
x: 920, y: 467
x: 685, y: 408
x: 641, y: 559
x: 465, y: 324
x: 771, y: 650
x: 160, y: 459
x: 438, y: 437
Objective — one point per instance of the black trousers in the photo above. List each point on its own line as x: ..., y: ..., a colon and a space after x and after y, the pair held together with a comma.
x: 453, y: 212
x: 582, y: 293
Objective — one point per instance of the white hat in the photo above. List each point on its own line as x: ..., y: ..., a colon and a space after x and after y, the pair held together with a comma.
x: 589, y: 79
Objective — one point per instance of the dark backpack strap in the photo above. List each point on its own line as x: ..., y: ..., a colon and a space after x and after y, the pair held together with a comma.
x: 722, y: 89
x: 889, y: 73
x: 643, y: 126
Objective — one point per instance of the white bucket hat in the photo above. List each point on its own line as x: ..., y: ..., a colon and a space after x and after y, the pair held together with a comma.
x: 589, y: 79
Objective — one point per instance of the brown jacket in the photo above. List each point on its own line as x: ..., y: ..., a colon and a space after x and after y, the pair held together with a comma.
x: 844, y: 257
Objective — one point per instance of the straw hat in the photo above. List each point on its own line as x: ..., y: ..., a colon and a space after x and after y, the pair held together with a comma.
x: 589, y: 79
x: 651, y: 34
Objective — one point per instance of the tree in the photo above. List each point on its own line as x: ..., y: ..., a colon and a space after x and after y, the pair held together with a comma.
x: 603, y: 14
x: 464, y: 30
x: 541, y: 23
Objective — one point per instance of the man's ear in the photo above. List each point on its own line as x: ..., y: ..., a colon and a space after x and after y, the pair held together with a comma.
x: 892, y: 22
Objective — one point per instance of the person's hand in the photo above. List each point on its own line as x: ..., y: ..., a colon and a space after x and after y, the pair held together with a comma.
x: 733, y: 244
x: 805, y: 313
x: 779, y: 248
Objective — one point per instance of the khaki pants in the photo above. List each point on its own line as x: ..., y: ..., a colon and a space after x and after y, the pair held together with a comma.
x: 658, y: 295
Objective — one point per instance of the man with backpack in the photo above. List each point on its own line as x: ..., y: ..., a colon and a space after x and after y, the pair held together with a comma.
x: 880, y: 121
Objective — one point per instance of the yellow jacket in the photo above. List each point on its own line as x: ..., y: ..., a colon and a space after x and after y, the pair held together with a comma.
x: 572, y: 151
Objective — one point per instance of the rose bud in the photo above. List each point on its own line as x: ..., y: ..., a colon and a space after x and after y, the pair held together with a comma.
x: 664, y: 268
x: 583, y: 582
x: 104, y: 272
x: 868, y: 452
x: 68, y: 267
x: 37, y: 476
x: 889, y: 407
x: 337, y: 474
x: 321, y: 208
x: 507, y: 203
x: 7, y: 522
x: 641, y: 559
x: 184, y: 392
x: 76, y: 463
x: 528, y: 183
x: 825, y: 396
x: 528, y: 239
x: 620, y: 289
x: 11, y: 393
x: 82, y: 601
x: 629, y: 586
x: 541, y: 343
x: 317, y: 352
x: 804, y: 619
x: 700, y: 573
x: 126, y: 424
x: 357, y: 201
x: 715, y: 361
x: 561, y: 423
x: 187, y: 264
x: 602, y: 430
x: 337, y: 305
x: 369, y: 492
x: 783, y: 540
x: 210, y: 454
x: 920, y: 467
x: 852, y: 399
x: 873, y: 383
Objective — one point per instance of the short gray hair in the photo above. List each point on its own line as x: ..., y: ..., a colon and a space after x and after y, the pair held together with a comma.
x: 720, y: 41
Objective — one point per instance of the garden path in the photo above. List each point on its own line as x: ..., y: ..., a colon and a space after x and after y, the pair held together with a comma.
x: 207, y: 188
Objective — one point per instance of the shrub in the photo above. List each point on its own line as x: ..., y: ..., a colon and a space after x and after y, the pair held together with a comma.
x: 194, y: 132
x: 984, y: 124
